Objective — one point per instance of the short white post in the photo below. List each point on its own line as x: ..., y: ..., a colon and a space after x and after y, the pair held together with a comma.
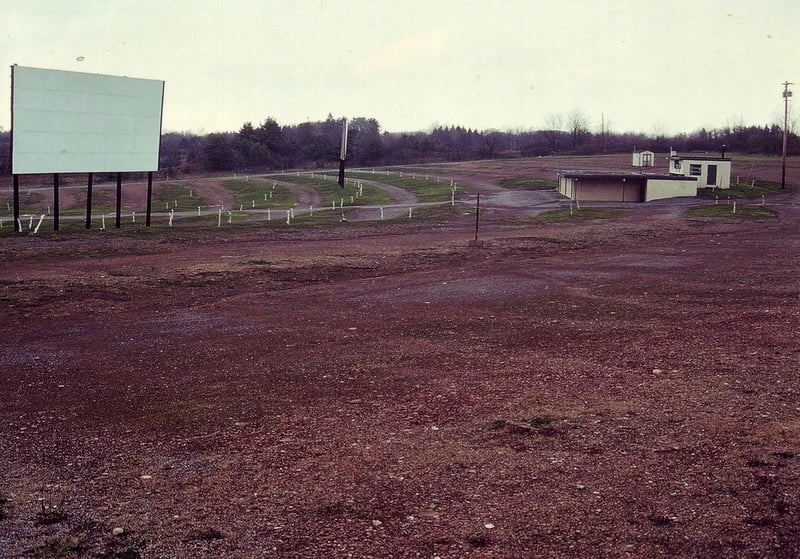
x: 270, y: 195
x: 334, y: 205
x: 175, y: 205
x: 198, y: 210
x: 312, y: 211
x: 19, y: 225
x: 41, y: 219
x: 102, y: 224
x: 253, y: 205
x: 48, y: 210
x: 716, y: 200
x: 219, y: 218
x: 133, y: 217
x: 292, y: 210
x: 762, y: 199
x: 166, y: 206
x: 734, y: 206
x: 230, y: 218
x: 269, y: 214
x: 351, y: 199
x: 341, y: 203
x: 409, y: 212
x: 171, y: 215
x: 453, y: 197
x: 190, y: 193
x: 381, y: 212
x: 288, y: 217
x: 265, y: 196
x: 241, y: 207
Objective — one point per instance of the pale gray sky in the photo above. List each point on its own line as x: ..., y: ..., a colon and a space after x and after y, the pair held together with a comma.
x: 644, y: 65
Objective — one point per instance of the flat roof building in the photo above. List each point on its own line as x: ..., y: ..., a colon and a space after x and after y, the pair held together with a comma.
x: 624, y: 187
x: 710, y: 172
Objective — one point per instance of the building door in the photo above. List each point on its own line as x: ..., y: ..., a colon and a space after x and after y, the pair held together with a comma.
x: 711, y: 179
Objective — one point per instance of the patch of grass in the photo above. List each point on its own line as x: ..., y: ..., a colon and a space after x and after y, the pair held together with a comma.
x: 525, y: 425
x: 257, y: 261
x: 726, y: 210
x: 529, y: 184
x: 176, y: 196
x: 427, y: 190
x: 753, y: 189
x: 331, y: 192
x: 263, y: 193
x: 583, y: 214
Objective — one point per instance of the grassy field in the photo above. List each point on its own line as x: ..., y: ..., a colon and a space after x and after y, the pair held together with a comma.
x: 252, y: 193
x: 427, y: 188
x: 331, y: 192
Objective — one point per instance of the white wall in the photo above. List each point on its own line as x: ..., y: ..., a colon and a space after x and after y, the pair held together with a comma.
x: 658, y: 189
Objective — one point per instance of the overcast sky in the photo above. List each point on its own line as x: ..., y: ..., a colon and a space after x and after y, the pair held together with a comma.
x: 647, y: 66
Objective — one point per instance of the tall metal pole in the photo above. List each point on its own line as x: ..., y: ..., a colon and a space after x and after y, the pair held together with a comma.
x: 477, y: 215
x: 343, y: 153
x: 786, y: 95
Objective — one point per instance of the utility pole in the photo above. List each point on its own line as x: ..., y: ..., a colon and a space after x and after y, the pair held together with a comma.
x: 786, y: 95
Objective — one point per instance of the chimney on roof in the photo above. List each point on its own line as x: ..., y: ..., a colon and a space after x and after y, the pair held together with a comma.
x: 724, y: 147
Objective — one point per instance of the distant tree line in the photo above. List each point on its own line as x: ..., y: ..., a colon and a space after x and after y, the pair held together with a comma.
x: 270, y: 145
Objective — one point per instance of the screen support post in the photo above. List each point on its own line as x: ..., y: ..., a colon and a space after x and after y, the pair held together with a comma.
x: 17, y: 228
x: 55, y: 202
x: 149, y: 197
x: 118, y: 223
x: 89, y: 201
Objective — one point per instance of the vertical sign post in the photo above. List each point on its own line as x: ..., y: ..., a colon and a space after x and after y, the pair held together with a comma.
x: 343, y: 153
x: 477, y: 215
x: 786, y: 95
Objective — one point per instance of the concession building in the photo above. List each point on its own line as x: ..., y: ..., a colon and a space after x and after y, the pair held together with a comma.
x: 686, y: 174
x: 624, y: 186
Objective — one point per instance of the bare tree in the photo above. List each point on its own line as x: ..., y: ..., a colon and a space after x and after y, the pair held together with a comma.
x: 553, y: 125
x: 578, y: 126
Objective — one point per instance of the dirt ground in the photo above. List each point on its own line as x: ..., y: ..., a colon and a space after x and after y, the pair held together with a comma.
x: 605, y: 388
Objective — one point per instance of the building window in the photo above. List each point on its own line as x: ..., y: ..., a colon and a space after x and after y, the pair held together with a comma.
x: 695, y: 170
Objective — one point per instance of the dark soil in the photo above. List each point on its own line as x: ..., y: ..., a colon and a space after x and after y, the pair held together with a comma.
x: 606, y: 388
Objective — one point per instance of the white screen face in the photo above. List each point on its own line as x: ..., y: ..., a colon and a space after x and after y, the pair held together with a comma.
x: 71, y: 122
